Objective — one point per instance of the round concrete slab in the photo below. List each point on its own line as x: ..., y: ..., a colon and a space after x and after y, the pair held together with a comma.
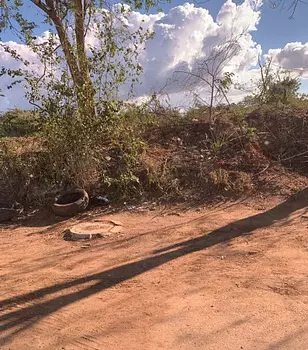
x: 93, y: 229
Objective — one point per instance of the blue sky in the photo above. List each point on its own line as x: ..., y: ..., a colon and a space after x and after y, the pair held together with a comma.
x: 188, y: 31
x: 274, y: 30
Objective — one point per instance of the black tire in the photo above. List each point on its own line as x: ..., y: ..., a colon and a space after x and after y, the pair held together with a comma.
x: 9, y: 211
x: 71, y: 203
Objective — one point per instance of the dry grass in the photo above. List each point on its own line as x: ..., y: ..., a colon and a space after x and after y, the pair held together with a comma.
x: 183, y: 159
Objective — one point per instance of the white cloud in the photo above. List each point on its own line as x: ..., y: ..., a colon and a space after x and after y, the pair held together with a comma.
x: 184, y: 36
x: 294, y: 56
x: 14, y: 97
x: 188, y: 34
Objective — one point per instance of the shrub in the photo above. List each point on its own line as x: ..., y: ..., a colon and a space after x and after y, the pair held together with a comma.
x: 17, y: 122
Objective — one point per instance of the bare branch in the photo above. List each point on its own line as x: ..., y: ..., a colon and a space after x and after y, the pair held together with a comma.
x: 42, y: 6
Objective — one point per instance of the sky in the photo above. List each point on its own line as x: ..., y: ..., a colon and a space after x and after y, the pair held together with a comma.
x: 275, y: 29
x: 185, y: 32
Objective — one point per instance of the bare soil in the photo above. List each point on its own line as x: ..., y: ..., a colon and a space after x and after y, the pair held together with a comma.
x: 233, y: 276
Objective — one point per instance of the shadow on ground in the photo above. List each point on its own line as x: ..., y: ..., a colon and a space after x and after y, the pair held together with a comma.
x: 32, y: 309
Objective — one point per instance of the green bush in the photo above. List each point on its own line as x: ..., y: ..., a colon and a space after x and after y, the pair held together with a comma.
x: 283, y: 90
x: 98, y: 154
x: 17, y: 122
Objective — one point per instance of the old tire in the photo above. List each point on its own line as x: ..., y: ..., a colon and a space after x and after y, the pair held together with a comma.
x: 71, y: 203
x: 9, y: 210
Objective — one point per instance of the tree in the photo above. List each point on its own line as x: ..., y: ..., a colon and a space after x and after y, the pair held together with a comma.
x: 265, y: 80
x: 290, y: 6
x: 275, y: 85
x: 283, y: 89
x: 17, y: 122
x: 208, y: 74
x: 69, y: 22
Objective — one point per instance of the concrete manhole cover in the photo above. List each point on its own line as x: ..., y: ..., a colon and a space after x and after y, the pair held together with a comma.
x: 93, y: 229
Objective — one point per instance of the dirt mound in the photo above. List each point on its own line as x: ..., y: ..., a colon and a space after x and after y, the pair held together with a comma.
x: 183, y: 159
x: 283, y: 136
x: 192, y: 161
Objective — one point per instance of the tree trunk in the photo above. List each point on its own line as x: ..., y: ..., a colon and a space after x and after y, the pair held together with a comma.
x: 85, y: 93
x: 78, y: 65
x: 212, y: 101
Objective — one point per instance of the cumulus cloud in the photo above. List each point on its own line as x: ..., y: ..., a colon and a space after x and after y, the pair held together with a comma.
x: 184, y: 36
x: 294, y: 56
x: 188, y: 34
x: 14, y: 96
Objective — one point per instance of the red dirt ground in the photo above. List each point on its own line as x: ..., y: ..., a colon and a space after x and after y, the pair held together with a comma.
x: 230, y: 277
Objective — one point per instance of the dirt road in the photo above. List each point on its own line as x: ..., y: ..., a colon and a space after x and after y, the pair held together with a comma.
x: 230, y: 277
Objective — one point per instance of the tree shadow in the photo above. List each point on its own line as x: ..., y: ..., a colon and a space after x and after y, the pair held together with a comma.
x: 35, y: 218
x: 287, y: 341
x: 31, y: 309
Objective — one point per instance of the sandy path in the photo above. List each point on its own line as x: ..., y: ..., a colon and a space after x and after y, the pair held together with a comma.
x: 201, y: 280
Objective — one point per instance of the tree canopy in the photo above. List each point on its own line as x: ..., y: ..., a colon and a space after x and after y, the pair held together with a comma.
x: 86, y: 70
